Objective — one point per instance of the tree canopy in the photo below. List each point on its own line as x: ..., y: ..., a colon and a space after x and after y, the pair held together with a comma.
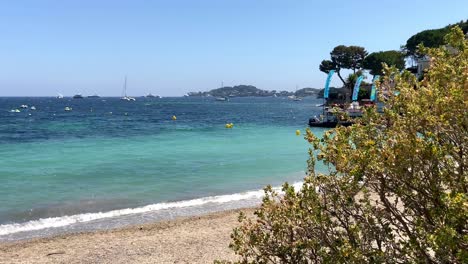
x: 430, y: 38
x: 373, y: 62
x: 344, y: 57
x: 397, y: 189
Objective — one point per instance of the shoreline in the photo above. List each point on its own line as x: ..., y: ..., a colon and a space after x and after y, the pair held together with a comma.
x: 193, y: 239
x: 120, y: 218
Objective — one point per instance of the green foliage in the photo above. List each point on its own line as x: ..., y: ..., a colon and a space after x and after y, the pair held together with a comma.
x: 327, y: 65
x: 398, y: 181
x: 344, y: 57
x: 348, y: 57
x: 363, y: 94
x: 431, y: 38
x: 374, y: 61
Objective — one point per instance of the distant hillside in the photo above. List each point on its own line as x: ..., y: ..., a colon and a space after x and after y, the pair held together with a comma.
x: 334, y: 92
x: 250, y: 90
x: 240, y: 91
x: 307, y: 92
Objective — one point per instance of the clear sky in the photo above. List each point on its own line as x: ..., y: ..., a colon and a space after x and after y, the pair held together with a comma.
x: 172, y: 47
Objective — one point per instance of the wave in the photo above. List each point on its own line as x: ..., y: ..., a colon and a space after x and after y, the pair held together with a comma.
x: 53, y: 222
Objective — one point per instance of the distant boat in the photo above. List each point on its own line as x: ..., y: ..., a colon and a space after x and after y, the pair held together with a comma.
x: 94, y: 96
x: 24, y: 106
x: 78, y: 96
x: 152, y: 96
x: 222, y: 99
x: 68, y: 109
x: 125, y: 97
x: 59, y: 96
x: 14, y: 111
x: 33, y: 107
x: 294, y: 97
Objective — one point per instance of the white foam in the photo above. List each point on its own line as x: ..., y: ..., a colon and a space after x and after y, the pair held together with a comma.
x: 52, y: 222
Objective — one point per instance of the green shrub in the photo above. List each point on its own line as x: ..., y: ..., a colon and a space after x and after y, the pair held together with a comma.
x: 397, y: 187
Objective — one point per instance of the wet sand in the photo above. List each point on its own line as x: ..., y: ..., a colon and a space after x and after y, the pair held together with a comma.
x: 200, y: 239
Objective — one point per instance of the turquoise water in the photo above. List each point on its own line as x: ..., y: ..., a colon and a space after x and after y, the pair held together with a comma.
x: 55, y: 163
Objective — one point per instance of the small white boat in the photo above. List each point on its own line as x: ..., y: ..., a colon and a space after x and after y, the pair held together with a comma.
x: 33, y: 107
x: 222, y: 99
x: 59, y: 96
x: 125, y: 97
x: 68, y: 109
x: 24, y: 106
x: 294, y: 98
x: 150, y: 95
x: 14, y: 111
x: 128, y: 98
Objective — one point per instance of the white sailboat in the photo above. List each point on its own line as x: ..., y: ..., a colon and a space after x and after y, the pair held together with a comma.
x: 294, y: 97
x: 125, y: 97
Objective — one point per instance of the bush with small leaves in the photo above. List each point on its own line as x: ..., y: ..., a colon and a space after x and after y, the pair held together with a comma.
x: 397, y: 187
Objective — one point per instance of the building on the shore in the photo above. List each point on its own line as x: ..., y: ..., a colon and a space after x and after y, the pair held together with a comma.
x: 422, y: 64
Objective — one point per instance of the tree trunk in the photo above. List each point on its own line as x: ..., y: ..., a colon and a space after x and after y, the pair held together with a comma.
x: 341, y: 78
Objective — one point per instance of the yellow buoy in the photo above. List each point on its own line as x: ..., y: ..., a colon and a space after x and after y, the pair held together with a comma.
x: 174, y: 117
x: 229, y: 125
x: 298, y: 132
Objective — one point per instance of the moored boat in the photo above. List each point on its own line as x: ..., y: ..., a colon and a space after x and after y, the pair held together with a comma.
x: 125, y: 97
x: 222, y: 99
x: 150, y: 95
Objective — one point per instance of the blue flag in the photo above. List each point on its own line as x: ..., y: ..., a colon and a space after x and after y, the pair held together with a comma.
x: 373, y: 93
x: 356, y: 87
x: 326, y: 91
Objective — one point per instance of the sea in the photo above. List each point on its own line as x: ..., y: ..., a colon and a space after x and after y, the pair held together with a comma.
x: 109, y: 163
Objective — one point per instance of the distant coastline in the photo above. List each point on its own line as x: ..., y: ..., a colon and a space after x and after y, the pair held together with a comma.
x: 250, y: 90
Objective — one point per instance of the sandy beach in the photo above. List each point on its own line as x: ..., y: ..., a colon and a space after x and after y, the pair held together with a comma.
x: 200, y: 239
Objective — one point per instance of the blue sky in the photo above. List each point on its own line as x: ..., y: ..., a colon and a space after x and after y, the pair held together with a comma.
x: 173, y: 47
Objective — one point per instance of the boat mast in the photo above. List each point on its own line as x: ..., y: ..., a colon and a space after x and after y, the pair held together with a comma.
x: 125, y: 86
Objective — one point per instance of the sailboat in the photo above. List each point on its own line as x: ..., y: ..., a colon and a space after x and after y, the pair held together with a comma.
x: 294, y: 97
x: 222, y: 98
x: 125, y: 97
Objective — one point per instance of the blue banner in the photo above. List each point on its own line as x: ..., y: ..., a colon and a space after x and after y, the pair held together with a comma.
x: 373, y: 93
x: 356, y: 87
x: 326, y: 91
